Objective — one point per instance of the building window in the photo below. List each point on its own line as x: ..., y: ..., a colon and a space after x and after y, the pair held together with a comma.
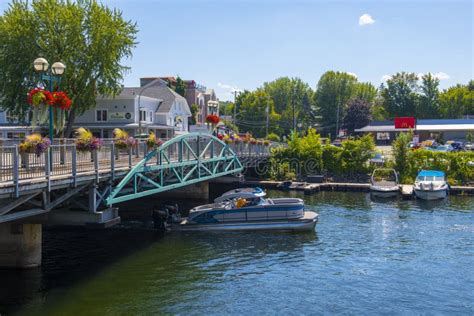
x: 101, y: 115
x: 150, y: 116
x: 143, y: 115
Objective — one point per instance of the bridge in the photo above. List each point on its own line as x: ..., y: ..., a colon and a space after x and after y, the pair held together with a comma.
x: 84, y: 187
x: 112, y: 175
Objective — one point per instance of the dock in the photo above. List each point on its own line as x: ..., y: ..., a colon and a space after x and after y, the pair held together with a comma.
x: 406, y: 190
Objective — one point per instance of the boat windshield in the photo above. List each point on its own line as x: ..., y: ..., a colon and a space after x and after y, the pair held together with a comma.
x: 429, y: 178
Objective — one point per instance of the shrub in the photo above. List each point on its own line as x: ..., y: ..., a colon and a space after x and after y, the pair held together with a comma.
x: 273, y: 137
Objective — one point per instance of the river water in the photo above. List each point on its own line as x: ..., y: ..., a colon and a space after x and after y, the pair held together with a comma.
x: 366, y: 257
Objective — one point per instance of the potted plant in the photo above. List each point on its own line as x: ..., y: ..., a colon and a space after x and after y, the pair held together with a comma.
x: 213, y: 120
x: 152, y: 141
x: 86, y: 141
x: 123, y: 141
x: 40, y: 97
x: 33, y: 144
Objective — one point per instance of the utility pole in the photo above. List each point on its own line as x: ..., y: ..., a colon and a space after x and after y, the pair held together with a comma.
x: 293, y: 103
x: 337, y: 120
x: 268, y: 117
x: 235, y: 106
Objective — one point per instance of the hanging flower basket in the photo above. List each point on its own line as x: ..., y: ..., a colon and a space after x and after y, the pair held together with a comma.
x: 61, y: 100
x: 122, y: 140
x: 152, y: 141
x: 34, y: 143
x: 86, y: 141
x: 40, y: 97
x: 212, y: 119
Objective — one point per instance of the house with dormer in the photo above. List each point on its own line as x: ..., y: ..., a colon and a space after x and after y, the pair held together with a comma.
x: 153, y: 107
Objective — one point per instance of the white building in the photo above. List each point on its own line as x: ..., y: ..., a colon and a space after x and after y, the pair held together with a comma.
x: 159, y: 108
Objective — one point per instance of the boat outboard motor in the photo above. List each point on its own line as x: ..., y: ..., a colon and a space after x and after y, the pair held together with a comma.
x: 160, y: 219
x: 174, y: 216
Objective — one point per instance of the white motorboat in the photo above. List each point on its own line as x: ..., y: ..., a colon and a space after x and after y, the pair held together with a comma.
x: 248, y: 209
x: 431, y: 185
x: 384, y: 183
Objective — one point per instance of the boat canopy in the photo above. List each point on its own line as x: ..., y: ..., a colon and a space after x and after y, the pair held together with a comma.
x: 431, y: 173
x: 245, y: 193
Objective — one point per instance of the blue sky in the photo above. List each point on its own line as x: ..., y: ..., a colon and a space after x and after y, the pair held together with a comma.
x: 241, y: 44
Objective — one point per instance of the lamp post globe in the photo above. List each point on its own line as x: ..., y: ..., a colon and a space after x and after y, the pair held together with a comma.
x: 58, y: 68
x: 40, y: 64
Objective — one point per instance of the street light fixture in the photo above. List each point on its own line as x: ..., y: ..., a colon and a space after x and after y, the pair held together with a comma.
x: 58, y: 68
x: 41, y: 66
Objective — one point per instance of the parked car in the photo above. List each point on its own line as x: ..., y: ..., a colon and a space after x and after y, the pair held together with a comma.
x: 378, y: 159
x: 457, y: 146
x: 469, y: 146
x: 413, y: 145
x: 444, y: 148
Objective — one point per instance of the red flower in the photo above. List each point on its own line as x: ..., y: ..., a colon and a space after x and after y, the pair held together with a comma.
x: 220, y: 136
x: 61, y: 100
x: 39, y: 96
x: 212, y: 119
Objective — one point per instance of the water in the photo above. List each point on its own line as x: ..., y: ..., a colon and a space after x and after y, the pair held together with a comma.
x: 367, y: 257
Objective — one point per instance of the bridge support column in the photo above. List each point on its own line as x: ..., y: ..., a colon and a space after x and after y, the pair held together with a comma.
x: 20, y: 245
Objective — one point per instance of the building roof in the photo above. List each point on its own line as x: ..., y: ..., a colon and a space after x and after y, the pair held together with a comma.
x: 156, y: 90
x: 422, y: 125
x: 122, y: 125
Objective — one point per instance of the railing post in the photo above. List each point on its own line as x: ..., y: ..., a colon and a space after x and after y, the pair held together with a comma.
x: 180, y: 151
x: 96, y: 165
x: 130, y: 157
x: 74, y: 166
x: 47, y: 166
x: 16, y: 171
x: 112, y: 161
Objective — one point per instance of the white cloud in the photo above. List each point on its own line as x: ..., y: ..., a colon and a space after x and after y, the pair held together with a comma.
x: 228, y: 88
x: 442, y: 75
x: 352, y: 74
x: 366, y: 19
x: 439, y: 75
x: 386, y: 77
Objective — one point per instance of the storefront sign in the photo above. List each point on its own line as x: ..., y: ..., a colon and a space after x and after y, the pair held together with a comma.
x: 416, y: 139
x: 120, y: 116
x: 405, y: 122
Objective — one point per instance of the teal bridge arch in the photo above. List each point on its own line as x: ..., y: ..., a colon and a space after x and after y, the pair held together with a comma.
x: 183, y: 160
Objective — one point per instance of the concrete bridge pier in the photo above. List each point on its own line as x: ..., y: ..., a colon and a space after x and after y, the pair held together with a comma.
x: 20, y: 245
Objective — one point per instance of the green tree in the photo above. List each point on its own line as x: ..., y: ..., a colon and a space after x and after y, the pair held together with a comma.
x: 400, y: 95
x: 457, y: 101
x: 333, y: 91
x: 180, y: 86
x: 366, y: 91
x: 194, y: 111
x: 358, y: 114
x: 428, y: 105
x: 400, y: 150
x: 252, y: 113
x: 288, y: 95
x: 91, y: 39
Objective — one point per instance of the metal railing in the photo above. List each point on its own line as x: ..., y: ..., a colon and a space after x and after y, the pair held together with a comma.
x: 63, y: 160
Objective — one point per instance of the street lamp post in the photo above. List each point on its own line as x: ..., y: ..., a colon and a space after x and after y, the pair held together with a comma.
x: 41, y: 66
x: 139, y: 107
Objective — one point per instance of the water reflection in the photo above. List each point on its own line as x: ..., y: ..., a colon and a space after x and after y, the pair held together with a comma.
x: 367, y: 257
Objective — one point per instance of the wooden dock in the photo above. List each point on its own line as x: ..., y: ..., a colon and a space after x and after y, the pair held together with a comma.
x: 406, y: 190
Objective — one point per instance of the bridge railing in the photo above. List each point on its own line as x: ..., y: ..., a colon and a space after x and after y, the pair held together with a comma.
x: 64, y: 160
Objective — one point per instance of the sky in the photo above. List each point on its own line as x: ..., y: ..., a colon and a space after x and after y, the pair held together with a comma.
x: 234, y: 45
